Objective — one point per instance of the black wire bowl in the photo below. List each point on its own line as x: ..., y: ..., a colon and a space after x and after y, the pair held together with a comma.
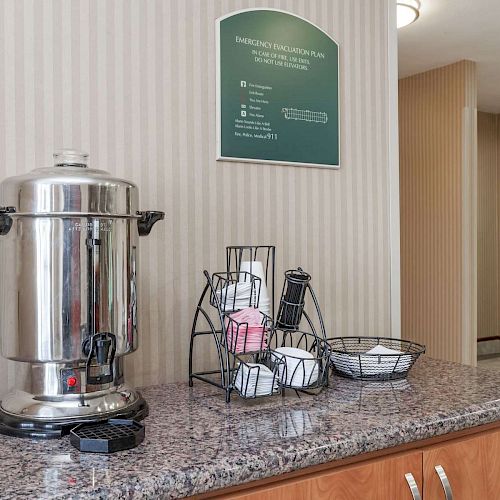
x: 349, y: 358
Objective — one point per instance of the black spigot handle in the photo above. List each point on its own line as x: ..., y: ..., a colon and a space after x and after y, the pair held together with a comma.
x: 147, y: 220
x: 5, y: 220
x: 102, y: 347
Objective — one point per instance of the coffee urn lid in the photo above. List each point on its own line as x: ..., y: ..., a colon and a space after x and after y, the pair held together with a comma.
x: 68, y: 188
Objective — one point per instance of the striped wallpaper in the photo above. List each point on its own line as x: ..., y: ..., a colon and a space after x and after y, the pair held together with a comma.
x: 437, y: 132
x: 488, y: 259
x: 133, y: 83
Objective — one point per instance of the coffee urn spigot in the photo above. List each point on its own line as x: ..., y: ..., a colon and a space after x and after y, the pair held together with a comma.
x: 101, y: 347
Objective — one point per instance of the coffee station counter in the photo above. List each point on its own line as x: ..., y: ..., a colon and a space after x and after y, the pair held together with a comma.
x: 196, y: 443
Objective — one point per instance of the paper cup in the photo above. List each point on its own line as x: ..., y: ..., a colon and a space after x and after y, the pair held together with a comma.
x: 256, y: 268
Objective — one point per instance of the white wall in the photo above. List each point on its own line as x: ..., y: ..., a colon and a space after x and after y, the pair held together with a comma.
x: 133, y: 83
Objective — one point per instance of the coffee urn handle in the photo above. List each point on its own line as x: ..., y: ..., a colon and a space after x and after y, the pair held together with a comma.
x: 147, y: 220
x: 5, y: 220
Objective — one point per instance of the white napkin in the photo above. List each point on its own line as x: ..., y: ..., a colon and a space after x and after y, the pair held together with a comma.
x: 247, y: 383
x: 380, y: 349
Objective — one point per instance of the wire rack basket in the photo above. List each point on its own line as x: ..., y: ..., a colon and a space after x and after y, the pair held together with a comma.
x: 228, y: 287
x: 247, y: 282
x: 292, y: 299
x: 302, y: 359
x: 292, y: 307
x: 243, y: 337
x: 392, y: 359
x: 255, y: 377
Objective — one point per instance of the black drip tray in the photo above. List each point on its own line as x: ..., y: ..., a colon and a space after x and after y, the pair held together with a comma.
x: 107, y: 437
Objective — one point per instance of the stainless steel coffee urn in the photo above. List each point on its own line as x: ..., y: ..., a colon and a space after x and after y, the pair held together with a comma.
x: 69, y: 239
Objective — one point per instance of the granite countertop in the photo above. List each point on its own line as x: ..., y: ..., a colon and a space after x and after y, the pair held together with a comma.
x: 195, y: 442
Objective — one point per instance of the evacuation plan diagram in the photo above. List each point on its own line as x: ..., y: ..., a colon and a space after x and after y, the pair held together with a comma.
x: 305, y: 115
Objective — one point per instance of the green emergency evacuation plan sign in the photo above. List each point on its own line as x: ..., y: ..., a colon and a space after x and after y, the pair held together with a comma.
x: 278, y: 90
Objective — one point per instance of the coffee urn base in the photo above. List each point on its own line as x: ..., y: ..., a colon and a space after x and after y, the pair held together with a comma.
x: 18, y: 426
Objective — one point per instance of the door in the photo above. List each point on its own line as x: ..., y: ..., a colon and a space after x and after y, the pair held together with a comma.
x: 380, y: 479
x: 470, y: 468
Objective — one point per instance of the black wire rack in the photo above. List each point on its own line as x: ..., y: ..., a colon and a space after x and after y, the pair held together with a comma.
x: 302, y: 358
x: 235, y: 347
x: 292, y: 307
x: 251, y: 360
x: 255, y: 376
x: 220, y: 376
x: 227, y: 284
x: 349, y: 357
x: 245, y: 338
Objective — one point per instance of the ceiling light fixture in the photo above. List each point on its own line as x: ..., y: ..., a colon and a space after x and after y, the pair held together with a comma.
x: 408, y: 12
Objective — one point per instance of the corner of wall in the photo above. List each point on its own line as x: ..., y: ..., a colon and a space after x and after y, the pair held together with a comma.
x: 438, y: 145
x: 469, y: 215
x: 393, y: 155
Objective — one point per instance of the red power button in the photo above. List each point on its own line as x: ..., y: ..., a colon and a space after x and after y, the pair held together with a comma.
x: 71, y: 381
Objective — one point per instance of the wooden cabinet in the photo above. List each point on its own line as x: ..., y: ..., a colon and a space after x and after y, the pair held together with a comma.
x: 470, y: 462
x: 382, y: 479
x: 471, y: 466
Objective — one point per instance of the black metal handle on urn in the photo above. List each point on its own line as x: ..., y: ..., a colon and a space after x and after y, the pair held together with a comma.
x: 5, y: 220
x: 147, y: 220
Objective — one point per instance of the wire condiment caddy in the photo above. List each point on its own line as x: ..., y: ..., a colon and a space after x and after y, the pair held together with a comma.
x: 240, y: 346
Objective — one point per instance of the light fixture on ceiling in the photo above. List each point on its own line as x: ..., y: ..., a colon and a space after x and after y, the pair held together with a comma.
x: 408, y: 12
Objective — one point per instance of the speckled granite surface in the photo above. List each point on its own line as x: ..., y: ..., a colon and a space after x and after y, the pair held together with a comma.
x: 195, y: 442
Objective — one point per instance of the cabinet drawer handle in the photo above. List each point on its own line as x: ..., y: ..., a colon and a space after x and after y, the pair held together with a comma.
x: 445, y: 483
x: 413, y: 486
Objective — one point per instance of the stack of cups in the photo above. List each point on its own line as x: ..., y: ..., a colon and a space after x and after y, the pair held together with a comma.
x: 255, y: 267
